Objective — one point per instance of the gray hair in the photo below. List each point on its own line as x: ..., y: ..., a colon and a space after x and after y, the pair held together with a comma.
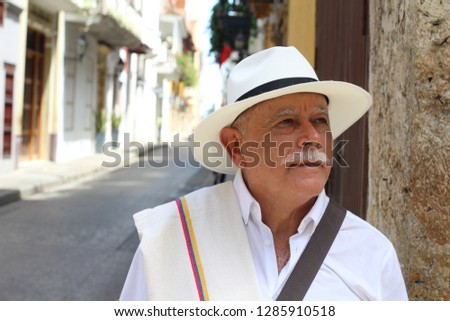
x: 241, y: 121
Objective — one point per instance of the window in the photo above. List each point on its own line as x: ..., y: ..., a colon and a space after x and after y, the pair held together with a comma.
x: 8, y: 111
x: 2, y: 10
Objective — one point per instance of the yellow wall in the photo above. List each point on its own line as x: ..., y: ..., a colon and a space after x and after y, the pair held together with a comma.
x: 302, y: 27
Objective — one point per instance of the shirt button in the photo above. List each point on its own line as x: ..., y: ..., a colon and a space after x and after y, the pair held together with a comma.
x: 267, y: 243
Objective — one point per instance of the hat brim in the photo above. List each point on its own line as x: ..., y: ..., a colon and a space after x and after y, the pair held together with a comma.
x: 347, y: 104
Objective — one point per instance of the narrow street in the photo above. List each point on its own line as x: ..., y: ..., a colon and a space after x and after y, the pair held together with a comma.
x: 76, y: 242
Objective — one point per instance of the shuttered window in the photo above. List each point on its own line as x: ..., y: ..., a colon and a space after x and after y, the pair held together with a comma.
x: 8, y: 111
x: 2, y: 11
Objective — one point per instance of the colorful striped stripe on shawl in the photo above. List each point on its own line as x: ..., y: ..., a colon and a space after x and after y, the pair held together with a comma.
x: 192, y: 248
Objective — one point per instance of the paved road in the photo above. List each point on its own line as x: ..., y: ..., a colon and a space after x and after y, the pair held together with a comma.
x: 76, y: 242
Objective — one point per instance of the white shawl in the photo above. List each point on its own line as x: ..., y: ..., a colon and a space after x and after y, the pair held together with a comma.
x: 221, y: 242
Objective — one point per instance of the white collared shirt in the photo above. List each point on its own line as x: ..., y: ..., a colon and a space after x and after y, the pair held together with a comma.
x: 261, y: 239
x: 361, y: 264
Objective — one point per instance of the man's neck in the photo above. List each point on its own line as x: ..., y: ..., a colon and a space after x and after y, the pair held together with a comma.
x: 283, y: 215
x: 284, y: 219
x: 284, y: 222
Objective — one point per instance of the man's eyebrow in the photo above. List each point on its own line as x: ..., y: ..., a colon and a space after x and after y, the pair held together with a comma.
x: 322, y: 110
x: 280, y: 113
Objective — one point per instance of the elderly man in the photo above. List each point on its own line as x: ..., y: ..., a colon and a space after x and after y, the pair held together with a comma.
x: 272, y: 233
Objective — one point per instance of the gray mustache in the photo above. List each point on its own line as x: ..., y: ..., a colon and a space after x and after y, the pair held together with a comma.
x: 312, y: 157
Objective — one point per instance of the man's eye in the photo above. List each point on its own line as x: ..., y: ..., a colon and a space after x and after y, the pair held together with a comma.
x: 286, y: 122
x: 322, y: 120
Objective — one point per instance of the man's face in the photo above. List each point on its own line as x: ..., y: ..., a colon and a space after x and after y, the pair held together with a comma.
x: 286, y: 146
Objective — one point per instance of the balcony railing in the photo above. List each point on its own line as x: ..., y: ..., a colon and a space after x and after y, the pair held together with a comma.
x: 127, y: 13
x: 117, y: 16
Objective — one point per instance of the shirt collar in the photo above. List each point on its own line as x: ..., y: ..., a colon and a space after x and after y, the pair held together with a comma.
x: 245, y: 199
x: 250, y: 207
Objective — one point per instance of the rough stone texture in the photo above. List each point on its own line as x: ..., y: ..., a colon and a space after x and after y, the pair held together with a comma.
x: 409, y: 140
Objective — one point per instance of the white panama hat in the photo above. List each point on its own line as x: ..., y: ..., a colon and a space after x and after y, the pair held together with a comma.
x: 268, y: 74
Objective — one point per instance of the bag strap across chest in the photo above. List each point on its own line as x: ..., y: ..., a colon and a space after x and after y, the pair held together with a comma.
x: 314, y: 254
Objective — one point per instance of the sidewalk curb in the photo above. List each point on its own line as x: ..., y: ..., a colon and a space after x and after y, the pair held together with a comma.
x: 28, y: 181
x: 9, y: 196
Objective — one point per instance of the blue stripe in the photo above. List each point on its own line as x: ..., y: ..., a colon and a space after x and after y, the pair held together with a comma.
x: 197, y: 274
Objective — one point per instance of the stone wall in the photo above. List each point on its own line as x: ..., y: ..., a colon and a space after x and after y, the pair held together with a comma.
x: 409, y: 138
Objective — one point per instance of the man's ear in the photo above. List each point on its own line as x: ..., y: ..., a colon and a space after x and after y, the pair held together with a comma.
x: 230, y: 138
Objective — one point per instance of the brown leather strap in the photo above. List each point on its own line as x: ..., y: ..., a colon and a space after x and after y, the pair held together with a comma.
x: 314, y: 254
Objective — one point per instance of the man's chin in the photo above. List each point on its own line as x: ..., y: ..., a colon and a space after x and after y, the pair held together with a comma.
x: 307, y: 185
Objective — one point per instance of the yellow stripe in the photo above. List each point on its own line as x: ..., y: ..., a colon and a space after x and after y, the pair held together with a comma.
x: 195, y: 247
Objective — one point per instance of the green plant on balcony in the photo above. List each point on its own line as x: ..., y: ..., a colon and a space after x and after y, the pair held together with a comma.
x: 187, y: 69
x: 230, y: 23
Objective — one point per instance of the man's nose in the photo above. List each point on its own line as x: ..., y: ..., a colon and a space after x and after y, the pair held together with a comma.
x: 307, y: 135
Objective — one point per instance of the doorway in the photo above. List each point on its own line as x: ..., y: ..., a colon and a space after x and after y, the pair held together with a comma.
x: 342, y: 53
x: 33, y: 90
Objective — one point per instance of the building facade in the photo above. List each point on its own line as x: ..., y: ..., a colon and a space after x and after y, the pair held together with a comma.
x: 11, y: 67
x: 79, y: 73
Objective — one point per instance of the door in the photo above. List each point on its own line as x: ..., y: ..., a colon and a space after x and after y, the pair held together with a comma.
x: 8, y: 111
x: 34, y: 79
x: 342, y: 53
